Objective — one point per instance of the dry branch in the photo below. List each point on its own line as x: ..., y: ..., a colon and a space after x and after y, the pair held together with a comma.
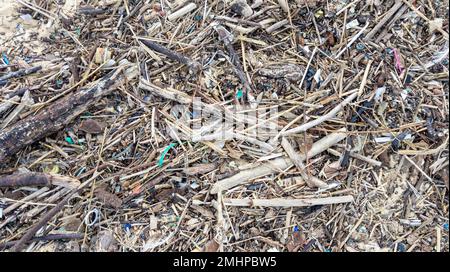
x: 280, y: 163
x: 297, y: 159
x: 57, y: 115
x: 38, y: 179
x: 193, y: 65
x: 282, y: 202
x: 323, y: 118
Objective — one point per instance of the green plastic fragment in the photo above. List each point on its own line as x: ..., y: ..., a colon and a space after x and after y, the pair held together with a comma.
x: 163, y: 154
x: 239, y: 93
x: 69, y: 140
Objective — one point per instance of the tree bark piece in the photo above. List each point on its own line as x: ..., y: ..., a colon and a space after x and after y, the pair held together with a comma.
x: 38, y: 179
x: 57, y: 115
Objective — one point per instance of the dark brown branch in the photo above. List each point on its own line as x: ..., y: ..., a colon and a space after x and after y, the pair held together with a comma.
x: 55, y: 116
x: 37, y: 179
x: 92, y: 11
x: 31, y: 232
x: 25, y: 179
x: 50, y: 237
x: 192, y: 64
x: 19, y: 73
x: 227, y: 39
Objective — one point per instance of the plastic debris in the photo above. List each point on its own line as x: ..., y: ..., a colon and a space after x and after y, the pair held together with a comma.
x: 69, y: 140
x: 163, y: 154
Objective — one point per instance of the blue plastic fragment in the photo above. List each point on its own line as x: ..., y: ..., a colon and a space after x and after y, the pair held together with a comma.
x: 5, y: 58
x: 401, y: 247
x: 445, y: 226
x: 296, y: 228
x: 127, y: 226
x: 359, y: 46
x: 390, y: 51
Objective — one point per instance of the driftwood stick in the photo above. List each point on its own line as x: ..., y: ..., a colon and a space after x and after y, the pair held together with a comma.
x: 50, y: 237
x: 92, y: 11
x: 297, y: 160
x: 55, y: 116
x: 281, y: 202
x: 31, y: 232
x: 356, y: 156
x: 182, y: 11
x: 277, y: 25
x: 227, y: 39
x: 48, y: 216
x: 391, y: 23
x: 19, y: 73
x: 384, y: 20
x: 364, y: 80
x: 38, y: 179
x: 280, y: 163
x: 193, y: 65
x: 168, y: 93
x: 323, y: 118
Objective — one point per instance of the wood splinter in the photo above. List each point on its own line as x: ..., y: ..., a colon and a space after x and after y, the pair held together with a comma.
x: 281, y: 202
x: 38, y: 179
x: 193, y: 65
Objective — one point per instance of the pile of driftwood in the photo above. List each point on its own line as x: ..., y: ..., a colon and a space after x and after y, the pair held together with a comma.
x: 234, y: 125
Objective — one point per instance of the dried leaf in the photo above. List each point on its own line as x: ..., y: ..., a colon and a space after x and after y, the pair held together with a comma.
x: 108, y: 198
x: 91, y: 126
x: 211, y: 246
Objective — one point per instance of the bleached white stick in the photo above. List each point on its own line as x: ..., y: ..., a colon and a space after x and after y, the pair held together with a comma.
x: 280, y: 163
x: 323, y: 118
x: 282, y: 202
x: 182, y: 11
x: 353, y: 40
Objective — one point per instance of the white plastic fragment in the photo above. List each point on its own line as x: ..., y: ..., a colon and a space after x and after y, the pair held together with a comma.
x: 87, y: 218
x: 411, y: 222
x: 379, y: 93
x: 317, y: 76
x: 387, y: 139
x: 352, y: 24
